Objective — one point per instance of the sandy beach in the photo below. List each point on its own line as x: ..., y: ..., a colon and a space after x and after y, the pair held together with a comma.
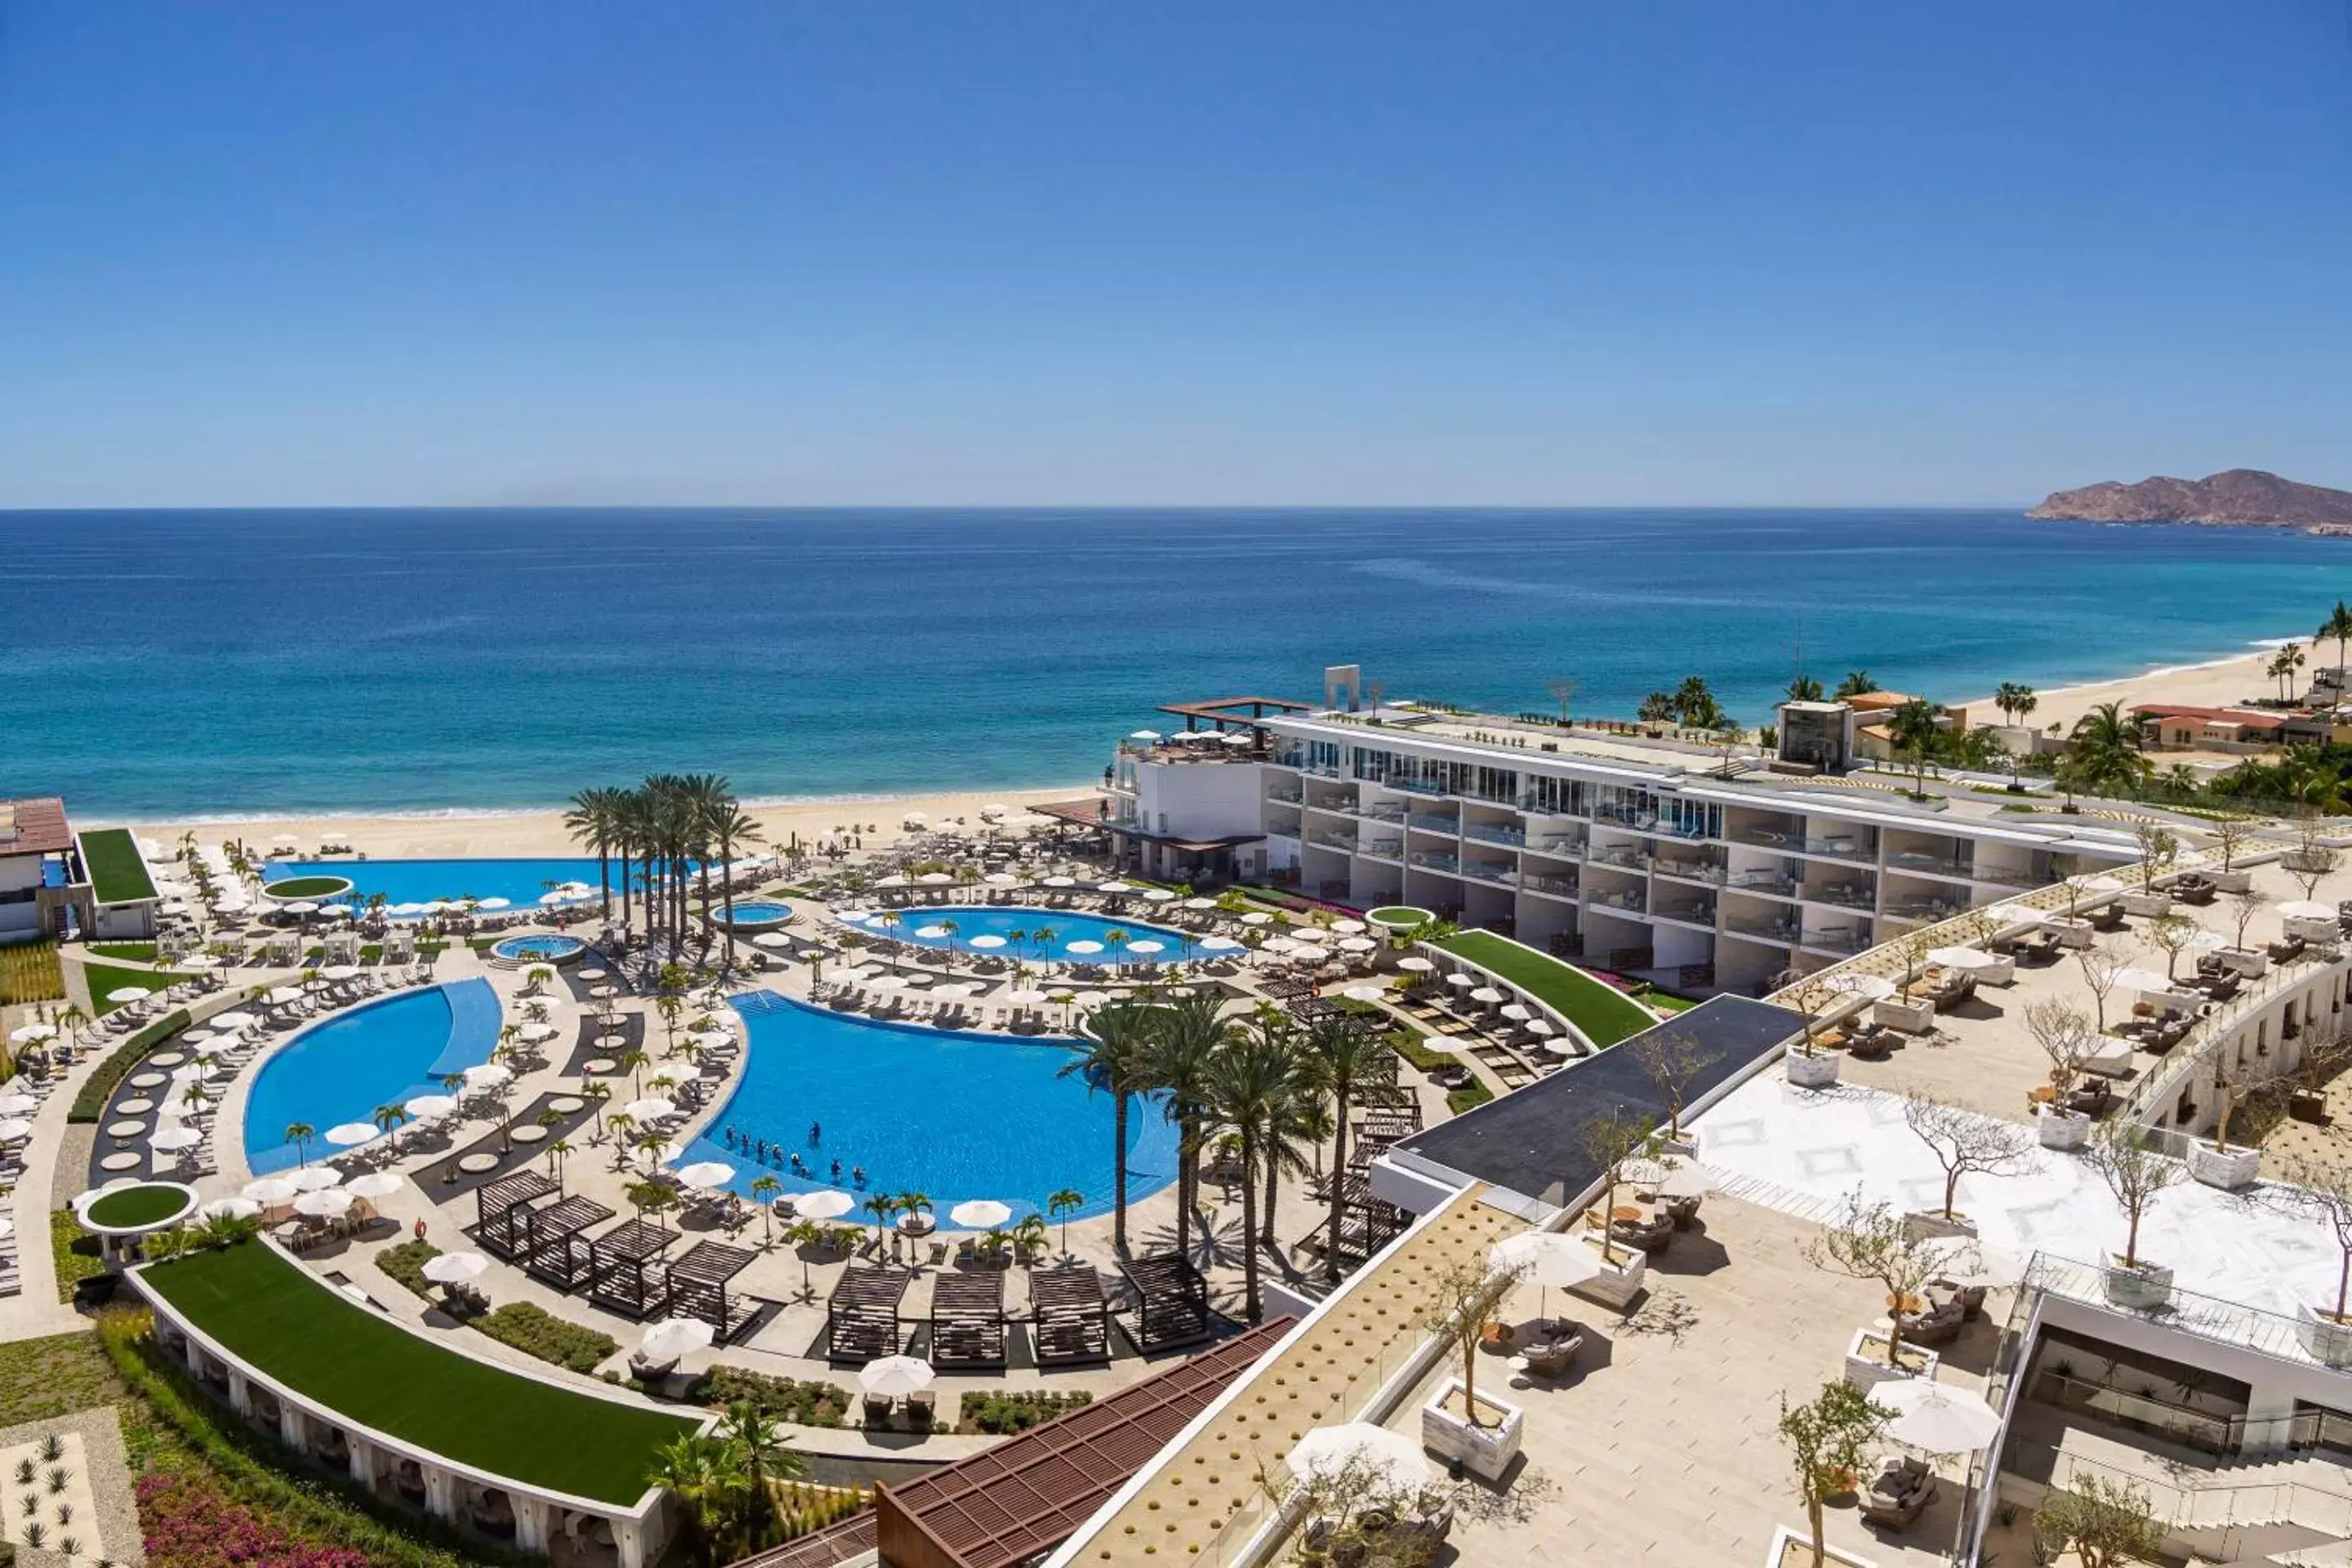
x: 414, y: 836
x: 2220, y: 683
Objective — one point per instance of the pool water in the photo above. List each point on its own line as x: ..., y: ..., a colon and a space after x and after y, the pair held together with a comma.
x: 343, y: 1069
x: 542, y: 949
x: 521, y: 882
x: 958, y: 1116
x: 1064, y: 926
x: 752, y: 912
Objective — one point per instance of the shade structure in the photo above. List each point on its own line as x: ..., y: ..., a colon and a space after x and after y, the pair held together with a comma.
x: 345, y: 1134
x: 171, y: 1139
x: 704, y: 1176
x: 230, y: 1208
x: 1147, y: 945
x: 270, y: 1191
x: 324, y: 1204
x: 1414, y: 964
x: 424, y: 1106
x: 340, y: 971
x: 1157, y: 895
x: 283, y: 996
x: 1257, y: 917
x: 1517, y: 1011
x: 1540, y: 1027
x: 537, y: 1032
x: 233, y: 1020
x: 1462, y: 982
x: 2305, y: 910
x: 823, y: 1203
x: 1026, y: 997
x: 1936, y: 1416
x: 1084, y: 945
x: 1876, y: 987
x: 316, y: 1178
x: 1307, y: 952
x: 1388, y: 1459
x: 494, y: 903
x: 674, y: 1337
x: 122, y: 993
x: 1356, y: 944
x: 374, y: 1185
x: 1200, y: 904
x: 1113, y: 885
x: 456, y: 1267
x: 1964, y: 958
x: 931, y: 932
x: 895, y: 1376
x: 1219, y: 944
x: 1546, y: 1258
x: 1486, y: 993
x: 489, y: 1075
x: 651, y: 1109
x: 28, y: 1034
x: 979, y: 1214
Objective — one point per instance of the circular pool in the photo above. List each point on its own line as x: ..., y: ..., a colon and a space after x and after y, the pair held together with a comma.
x: 752, y: 914
x: 540, y: 949
x: 311, y: 890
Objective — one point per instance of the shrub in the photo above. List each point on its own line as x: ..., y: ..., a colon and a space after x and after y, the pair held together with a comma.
x: 189, y: 1521
x: 1468, y: 1098
x: 75, y: 1251
x: 778, y: 1398
x: 405, y: 1263
x: 539, y: 1333
x: 1015, y: 1410
x: 89, y: 1105
x: 1407, y: 1044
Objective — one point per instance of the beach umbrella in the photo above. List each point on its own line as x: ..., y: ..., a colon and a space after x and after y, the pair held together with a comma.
x: 232, y: 1020
x: 1025, y: 996
x: 316, y: 1178
x: 935, y: 879
x: 1364, y: 993
x: 652, y: 1108
x: 1963, y: 958
x: 2305, y: 910
x: 1460, y: 981
x: 979, y: 1214
x: 1201, y: 904
x: 1540, y: 1027
x: 1090, y: 1000
x: 986, y: 940
x: 1257, y: 917
x: 1517, y: 1012
x: 171, y: 1138
x: 425, y: 1107
x: 374, y: 1185
x: 774, y: 939
x: 1113, y: 885
x: 412, y: 911
x: 705, y: 1175
x: 122, y: 993
x: 28, y: 1034
x: 674, y: 1337
x: 1936, y: 1418
x: 1157, y: 895
x: 825, y: 1203
x: 489, y: 1075
x: 19, y: 1105
x: 1356, y: 944
x: 1415, y: 964
x: 270, y: 1191
x: 1307, y: 952
x: 1545, y: 1258
x: 1145, y: 735
x: 1220, y: 945
x: 324, y: 1204
x: 284, y: 995
x: 711, y: 1040
x: 495, y: 904
x: 1487, y: 995
x: 456, y: 1267
x: 340, y: 971
x: 230, y: 1208
x: 1084, y: 946
x: 931, y: 932
x: 893, y: 1376
x: 1002, y: 879
x: 301, y: 907
x: 536, y: 1032
x: 348, y: 1134
x: 196, y: 960
x: 1391, y: 1459
x: 1876, y: 987
x: 1061, y: 881
x: 1147, y: 945
x: 2142, y: 980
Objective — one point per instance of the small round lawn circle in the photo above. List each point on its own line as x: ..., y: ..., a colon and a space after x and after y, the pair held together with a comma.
x: 288, y: 889
x: 138, y: 1207
x: 1399, y: 918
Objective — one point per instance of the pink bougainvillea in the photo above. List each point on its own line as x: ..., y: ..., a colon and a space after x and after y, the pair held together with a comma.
x: 191, y: 1523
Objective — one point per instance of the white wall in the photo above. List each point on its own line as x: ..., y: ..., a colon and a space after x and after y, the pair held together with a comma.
x: 1200, y: 800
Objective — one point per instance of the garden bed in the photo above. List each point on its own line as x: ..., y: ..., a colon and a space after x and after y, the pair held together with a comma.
x: 1014, y: 1410
x: 527, y: 1327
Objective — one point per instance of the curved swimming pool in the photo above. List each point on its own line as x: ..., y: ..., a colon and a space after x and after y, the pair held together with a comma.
x: 540, y: 949
x: 521, y: 882
x: 955, y: 1115
x: 1036, y: 935
x: 341, y: 1068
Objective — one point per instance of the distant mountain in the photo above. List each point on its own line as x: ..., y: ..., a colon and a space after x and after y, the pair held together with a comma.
x: 2238, y: 497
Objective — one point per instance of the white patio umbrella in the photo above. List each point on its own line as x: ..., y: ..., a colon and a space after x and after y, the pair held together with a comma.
x: 346, y: 1134
x: 986, y: 940
x: 935, y: 879
x: 15, y: 1129
x: 230, y: 1208
x: 1415, y: 964
x: 123, y: 993
x: 316, y: 1178
x: 19, y: 1105
x: 2142, y: 980
x: 2305, y: 910
x: 711, y: 1040
x: 324, y: 1204
x: 489, y: 1075
x: 1360, y: 1449
x: 1084, y: 946
x: 652, y: 1108
x: 199, y: 961
x: 772, y: 940
x: 1936, y: 1416
x: 270, y: 1191
x: 674, y: 1337
x: 425, y: 1107
x: 495, y: 904
x: 537, y: 1032
x: 1147, y: 945
x: 825, y: 1203
x: 1460, y: 981
x: 1027, y: 996
x: 1307, y: 952
x: 456, y: 1267
x: 301, y: 907
x: 1356, y: 944
x: 931, y: 932
x: 1220, y: 945
x: 1257, y: 917
x: 1963, y: 958
x: 1002, y: 879
x: 233, y: 1020
x: 1487, y: 995
x: 1157, y: 895
x: 28, y: 1034
x: 171, y: 1138
x: 1876, y: 987
x: 1547, y: 1258
x: 979, y: 1214
x: 1517, y: 1011
x: 893, y: 1376
x: 1113, y: 885
x: 374, y: 1185
x: 1201, y: 904
x: 1364, y: 993
x: 284, y: 995
x: 704, y: 1176
x: 1145, y: 735
x: 1061, y: 883
x: 1090, y: 1000
x: 340, y: 971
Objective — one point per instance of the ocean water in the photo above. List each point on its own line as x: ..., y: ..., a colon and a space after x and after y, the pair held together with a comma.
x: 160, y: 663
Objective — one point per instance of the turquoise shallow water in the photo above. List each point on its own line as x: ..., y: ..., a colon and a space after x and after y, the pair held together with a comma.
x: 162, y: 663
x: 384, y: 1053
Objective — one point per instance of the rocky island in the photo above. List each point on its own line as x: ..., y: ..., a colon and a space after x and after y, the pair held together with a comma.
x: 2236, y: 498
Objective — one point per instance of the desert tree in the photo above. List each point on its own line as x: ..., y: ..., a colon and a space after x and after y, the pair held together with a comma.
x: 2135, y: 1173
x: 2065, y: 1037
x: 1868, y: 1240
x: 1671, y: 1061
x: 2100, y: 970
x: 1829, y: 1441
x: 2159, y: 848
x: 2244, y: 906
x: 2230, y: 836
x: 1461, y: 1301
x: 2323, y: 1190
x: 1563, y: 692
x: 2172, y: 934
x: 1609, y: 1141
x: 2314, y: 858
x: 2105, y: 1523
x: 1965, y: 1143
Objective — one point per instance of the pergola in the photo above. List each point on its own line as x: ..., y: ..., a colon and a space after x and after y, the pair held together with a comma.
x: 623, y: 1274
x: 1367, y: 1224
x: 697, y: 1286
x: 968, y: 1322
x: 861, y: 1317
x: 1070, y: 1320
x: 502, y: 1211
x: 556, y: 1251
x: 1172, y: 1301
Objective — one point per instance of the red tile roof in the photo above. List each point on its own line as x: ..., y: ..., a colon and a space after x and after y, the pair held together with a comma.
x: 35, y: 826
x: 2243, y: 718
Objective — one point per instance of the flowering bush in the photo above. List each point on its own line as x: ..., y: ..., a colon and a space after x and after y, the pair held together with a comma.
x: 190, y: 1522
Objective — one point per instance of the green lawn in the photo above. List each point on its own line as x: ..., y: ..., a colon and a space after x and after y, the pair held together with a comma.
x: 279, y: 1319
x: 105, y: 977
x: 116, y: 873
x: 1605, y: 1013
x: 142, y: 1205
x: 307, y: 886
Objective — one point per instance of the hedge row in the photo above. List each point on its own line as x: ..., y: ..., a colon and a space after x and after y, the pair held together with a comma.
x: 89, y: 1105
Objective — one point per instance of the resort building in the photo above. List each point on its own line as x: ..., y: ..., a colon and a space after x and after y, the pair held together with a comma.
x: 55, y: 882
x: 1654, y: 856
x: 34, y: 844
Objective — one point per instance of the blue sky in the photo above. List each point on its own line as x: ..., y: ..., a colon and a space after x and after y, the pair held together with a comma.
x: 1538, y: 253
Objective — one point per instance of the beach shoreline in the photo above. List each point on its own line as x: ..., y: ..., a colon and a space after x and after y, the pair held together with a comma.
x: 2227, y: 683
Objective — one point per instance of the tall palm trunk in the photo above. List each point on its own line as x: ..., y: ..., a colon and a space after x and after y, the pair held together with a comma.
x: 1338, y: 1172
x: 1118, y: 1172
x: 1249, y: 1225
x: 1273, y: 1186
x: 1184, y: 1187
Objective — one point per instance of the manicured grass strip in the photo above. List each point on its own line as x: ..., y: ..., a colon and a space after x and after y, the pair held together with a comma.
x: 76, y: 1253
x: 1605, y: 1013
x: 116, y: 873
x: 307, y: 886
x: 143, y: 1204
x: 275, y: 1316
x: 103, y: 978
x: 137, y: 952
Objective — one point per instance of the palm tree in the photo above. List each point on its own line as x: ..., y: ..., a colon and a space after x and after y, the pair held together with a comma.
x: 634, y: 1061
x: 596, y: 1092
x: 882, y: 1205
x: 1113, y: 1062
x: 708, y: 1477
x: 2282, y: 668
x: 915, y: 1203
x: 949, y: 928
x: 620, y: 1122
x: 764, y: 1456
x: 1185, y: 1036
x: 730, y: 828
x: 763, y: 1193
x: 1914, y: 729
x: 557, y: 1151
x: 1063, y: 1204
x: 2105, y: 752
x: 2014, y: 701
x: 1804, y: 689
x: 299, y: 1134
x: 800, y: 1236
x: 593, y: 820
x: 1113, y: 939
x: 1858, y: 683
x: 1248, y: 1081
x: 1341, y: 1062
x: 2338, y: 626
x: 388, y: 1117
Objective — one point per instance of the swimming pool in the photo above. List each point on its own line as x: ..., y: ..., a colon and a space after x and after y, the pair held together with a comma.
x: 540, y: 949
x: 955, y: 1115
x: 343, y: 1069
x: 752, y: 914
x: 521, y: 882
x: 1032, y: 934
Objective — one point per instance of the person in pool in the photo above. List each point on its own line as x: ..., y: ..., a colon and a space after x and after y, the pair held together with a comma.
x: 857, y: 1175
x: 836, y: 1170
x: 817, y: 1132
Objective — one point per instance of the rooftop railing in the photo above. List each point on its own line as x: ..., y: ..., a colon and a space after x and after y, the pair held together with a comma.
x: 1848, y: 938
x: 2155, y: 1090
x: 2188, y: 1311
x: 1922, y: 865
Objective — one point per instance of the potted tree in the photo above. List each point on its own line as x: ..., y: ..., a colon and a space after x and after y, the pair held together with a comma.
x: 2158, y: 848
x: 2137, y: 1176
x: 2104, y: 1523
x: 2230, y: 836
x: 1671, y: 1061
x: 1870, y: 1241
x: 1963, y: 1142
x: 2070, y: 928
x: 1807, y: 1065
x: 2065, y: 1037
x: 2248, y: 960
x: 1479, y: 1432
x: 2212, y: 1160
x: 1611, y: 1141
x: 2324, y: 1188
x: 1828, y: 1440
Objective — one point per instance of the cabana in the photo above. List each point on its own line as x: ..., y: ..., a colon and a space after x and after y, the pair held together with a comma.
x: 555, y: 1250
x: 1172, y: 1301
x: 502, y: 1212
x: 861, y: 1317
x: 624, y: 1273
x: 968, y: 1322
x: 1070, y: 1319
x: 698, y: 1287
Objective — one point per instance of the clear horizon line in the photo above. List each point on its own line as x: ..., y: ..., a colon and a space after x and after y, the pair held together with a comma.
x: 1038, y: 506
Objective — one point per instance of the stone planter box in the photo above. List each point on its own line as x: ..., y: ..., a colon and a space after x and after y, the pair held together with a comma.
x: 2311, y: 931
x: 2236, y: 881
x: 1795, y: 1547
x: 1911, y: 1017
x: 2063, y: 1130
x: 1817, y: 1071
x: 1866, y: 1367
x: 2252, y: 962
x: 1932, y: 1222
x: 2148, y: 904
x: 1484, y: 1451
x: 1617, y: 1283
x: 2072, y: 930
x: 2329, y: 1341
x: 2143, y: 1287
x: 2229, y: 1169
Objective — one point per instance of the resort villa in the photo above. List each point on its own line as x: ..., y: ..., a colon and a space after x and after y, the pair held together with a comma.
x: 53, y: 881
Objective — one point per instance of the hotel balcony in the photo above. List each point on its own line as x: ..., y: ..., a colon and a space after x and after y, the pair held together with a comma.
x: 1333, y: 840
x: 2012, y: 875
x: 1564, y: 846
x: 1629, y: 901
x: 1382, y: 811
x: 1844, y: 895
x: 1922, y: 909
x: 1863, y: 847
x: 1771, y: 884
x: 1695, y: 911
x: 1624, y: 857
x: 1919, y: 864
x: 1706, y: 871
x: 1414, y: 786
x: 1784, y: 932
x: 1448, y: 864
x: 1497, y: 871
x: 1765, y: 838
x: 1489, y: 833
x: 1431, y: 822
x: 1843, y: 939
x: 1558, y: 887
x: 1383, y: 849
x: 1290, y: 795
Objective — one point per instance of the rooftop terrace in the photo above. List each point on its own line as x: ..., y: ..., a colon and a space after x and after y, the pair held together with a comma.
x: 118, y: 873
